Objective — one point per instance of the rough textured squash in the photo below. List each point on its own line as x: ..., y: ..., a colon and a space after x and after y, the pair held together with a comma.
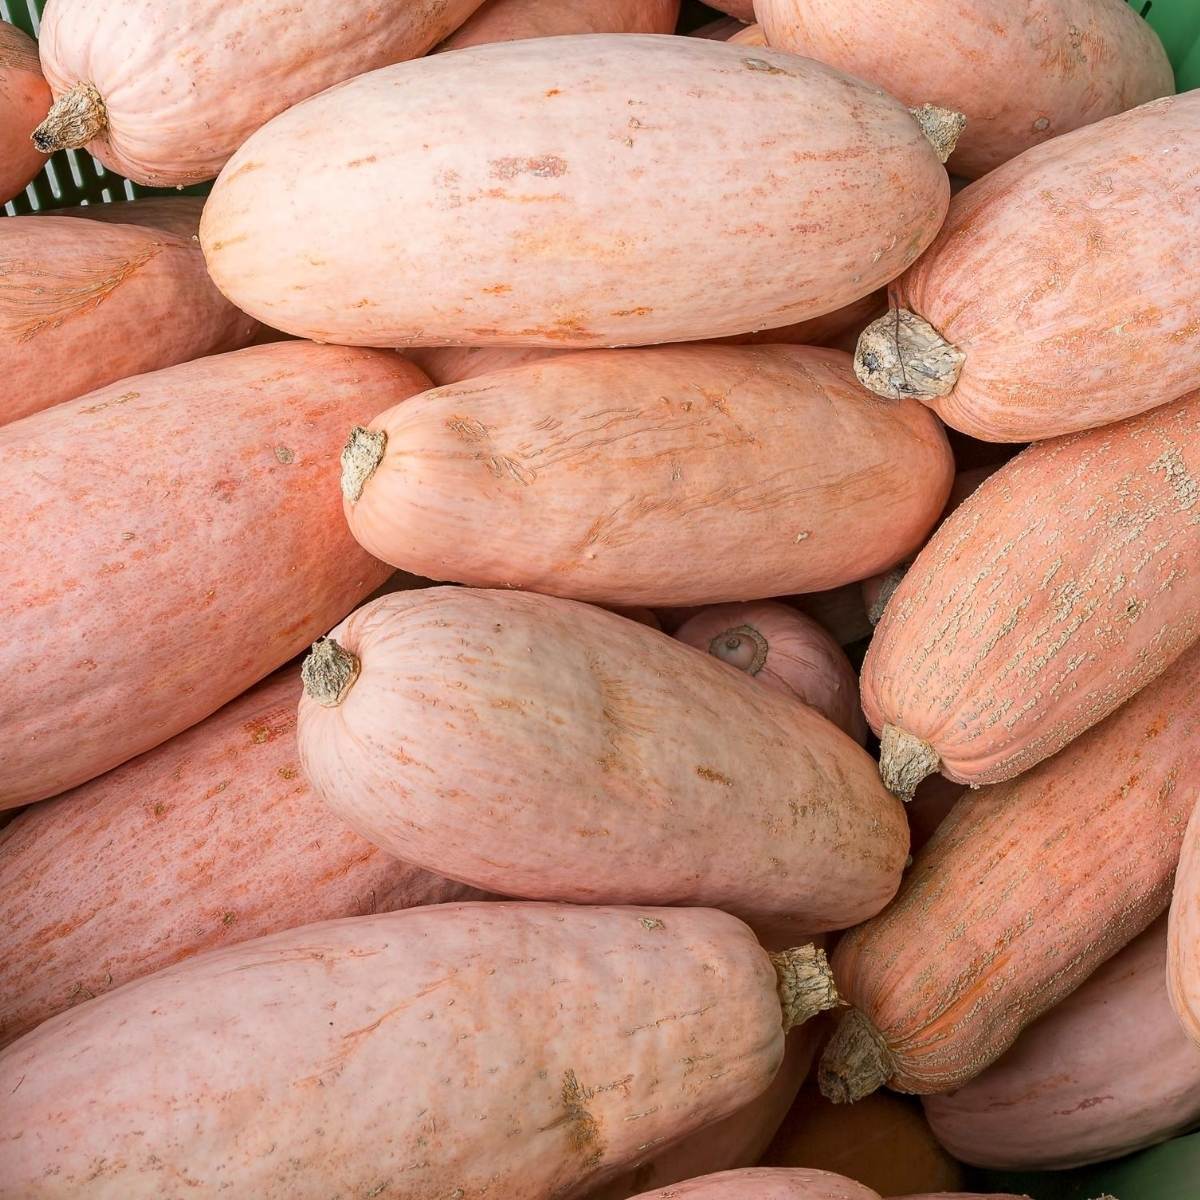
x: 645, y: 477
x: 1056, y: 296
x: 1022, y: 73
x: 947, y: 977
x: 511, y: 20
x: 577, y: 196
x: 784, y: 650
x: 168, y: 541
x: 883, y: 1142
x: 604, y: 739
x: 1019, y: 627
x: 210, y: 839
x: 24, y: 101
x: 164, y: 91
x: 519, y: 1049
x: 765, y: 1183
x: 1106, y: 1072
x: 1183, y: 964
x: 86, y: 302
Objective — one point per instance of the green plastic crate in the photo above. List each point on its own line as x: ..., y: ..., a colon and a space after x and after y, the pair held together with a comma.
x: 73, y: 177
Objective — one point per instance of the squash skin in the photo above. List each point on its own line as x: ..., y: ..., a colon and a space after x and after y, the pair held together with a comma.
x: 24, y: 101
x: 512, y: 20
x: 208, y: 840
x: 185, y: 83
x: 799, y: 659
x: 645, y: 477
x: 605, y: 739
x: 1183, y: 960
x: 1065, y: 620
x: 742, y: 9
x: 86, y: 303
x: 1105, y: 1073
x: 1022, y: 74
x: 455, y: 1000
x: 175, y: 214
x: 751, y: 35
x: 1061, y: 277
x: 194, y: 462
x: 577, y: 218
x: 766, y: 1183
x: 958, y: 965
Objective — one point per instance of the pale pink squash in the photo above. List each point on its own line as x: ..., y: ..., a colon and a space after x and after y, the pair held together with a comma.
x: 1021, y: 73
x: 87, y: 302
x: 457, y: 364
x: 578, y: 197
x: 818, y: 331
x: 749, y: 35
x: 164, y: 91
x: 1020, y: 625
x: 210, y: 839
x: 643, y: 616
x: 467, y: 731
x: 784, y: 650
x: 742, y: 9
x: 168, y: 541
x: 1183, y: 963
x: 663, y: 476
x: 175, y: 214
x: 24, y: 101
x: 1106, y: 1072
x: 512, y: 1049
x: 511, y: 20
x: 1023, y: 891
x: 1057, y: 296
x: 765, y: 1183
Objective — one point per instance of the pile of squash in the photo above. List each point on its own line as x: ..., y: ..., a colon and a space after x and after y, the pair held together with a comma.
x: 438, y: 755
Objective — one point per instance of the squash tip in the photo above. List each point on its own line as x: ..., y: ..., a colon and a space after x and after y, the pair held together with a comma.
x: 328, y: 672
x: 743, y: 647
x: 901, y: 354
x: 74, y: 119
x: 856, y: 1061
x: 805, y: 984
x: 362, y: 453
x: 941, y: 126
x: 904, y: 760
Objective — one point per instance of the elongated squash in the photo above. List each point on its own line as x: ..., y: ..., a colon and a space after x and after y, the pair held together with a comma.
x: 24, y: 101
x: 1183, y: 962
x: 466, y: 731
x: 665, y: 476
x: 1018, y: 626
x: 1106, y: 1072
x: 1021, y: 73
x: 521, y: 1049
x: 457, y: 364
x: 946, y: 978
x: 210, y: 839
x: 175, y: 214
x: 784, y: 650
x: 766, y: 1183
x: 85, y: 303
x: 512, y: 20
x: 1056, y: 296
x: 164, y: 91
x: 168, y: 541
x: 578, y: 197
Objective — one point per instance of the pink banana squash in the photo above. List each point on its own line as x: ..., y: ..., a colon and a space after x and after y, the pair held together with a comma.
x: 749, y: 35
x: 164, y: 91
x: 742, y: 9
x: 1183, y: 962
x: 945, y: 979
x: 24, y: 101
x: 168, y: 541
x: 784, y: 650
x: 210, y: 839
x: 457, y: 364
x: 577, y: 196
x: 512, y: 20
x: 87, y: 302
x: 1018, y: 627
x: 1021, y: 73
x: 1106, y: 1072
x: 603, y: 738
x: 642, y: 477
x: 662, y: 1020
x: 765, y: 1183
x: 1056, y: 297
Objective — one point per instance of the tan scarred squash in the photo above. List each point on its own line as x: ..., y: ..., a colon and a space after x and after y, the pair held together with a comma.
x: 662, y: 476
x: 944, y: 980
x: 164, y: 91
x: 1022, y: 623
x: 210, y: 839
x: 168, y: 541
x: 579, y: 197
x: 86, y: 302
x: 513, y: 20
x: 1183, y: 962
x: 467, y: 731
x: 1021, y: 73
x: 24, y: 101
x: 515, y: 1049
x: 1057, y: 296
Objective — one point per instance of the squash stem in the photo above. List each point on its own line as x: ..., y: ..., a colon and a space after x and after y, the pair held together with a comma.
x: 942, y: 126
x: 328, y: 672
x: 805, y: 984
x: 904, y: 760
x: 855, y: 1063
x: 900, y: 354
x: 74, y: 119
x: 742, y: 647
x: 362, y: 453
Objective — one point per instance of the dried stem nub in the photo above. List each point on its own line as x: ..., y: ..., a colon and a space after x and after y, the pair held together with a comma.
x: 805, y: 984
x: 74, y: 119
